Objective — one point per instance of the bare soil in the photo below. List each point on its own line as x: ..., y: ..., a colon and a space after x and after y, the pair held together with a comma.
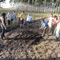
x: 28, y: 44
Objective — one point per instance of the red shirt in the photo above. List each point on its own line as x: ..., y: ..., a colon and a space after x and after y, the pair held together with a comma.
x: 54, y: 22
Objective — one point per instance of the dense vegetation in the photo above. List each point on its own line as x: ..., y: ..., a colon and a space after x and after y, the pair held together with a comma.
x: 37, y: 1
x: 34, y: 1
x: 2, y: 0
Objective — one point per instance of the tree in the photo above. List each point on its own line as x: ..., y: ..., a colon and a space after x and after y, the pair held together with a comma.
x: 45, y: 1
x: 35, y: 1
x: 57, y: 1
x: 2, y: 0
x: 52, y: 1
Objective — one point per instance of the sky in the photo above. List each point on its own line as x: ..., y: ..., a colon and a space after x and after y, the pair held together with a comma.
x: 6, y: 4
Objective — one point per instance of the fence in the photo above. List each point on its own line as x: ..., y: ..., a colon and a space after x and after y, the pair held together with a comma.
x: 42, y: 8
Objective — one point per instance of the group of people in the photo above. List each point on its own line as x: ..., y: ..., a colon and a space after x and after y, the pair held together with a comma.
x: 21, y: 19
x: 53, y: 26
x: 11, y: 18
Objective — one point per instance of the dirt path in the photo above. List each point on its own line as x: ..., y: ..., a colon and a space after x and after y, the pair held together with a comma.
x: 24, y: 43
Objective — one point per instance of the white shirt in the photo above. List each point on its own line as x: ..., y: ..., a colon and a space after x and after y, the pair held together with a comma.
x: 50, y: 21
x: 29, y: 18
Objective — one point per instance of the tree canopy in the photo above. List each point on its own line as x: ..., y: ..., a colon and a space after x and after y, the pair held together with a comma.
x: 36, y: 1
x: 2, y: 0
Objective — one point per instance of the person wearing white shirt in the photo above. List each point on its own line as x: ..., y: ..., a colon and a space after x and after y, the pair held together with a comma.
x: 50, y: 22
x: 28, y: 20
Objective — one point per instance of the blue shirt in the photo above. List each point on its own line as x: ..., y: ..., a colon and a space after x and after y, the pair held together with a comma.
x: 11, y: 16
x: 44, y: 24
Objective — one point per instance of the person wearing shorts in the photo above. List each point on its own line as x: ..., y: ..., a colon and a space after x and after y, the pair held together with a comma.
x: 22, y: 19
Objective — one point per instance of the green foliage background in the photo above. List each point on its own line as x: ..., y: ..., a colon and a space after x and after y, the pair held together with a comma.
x: 36, y: 1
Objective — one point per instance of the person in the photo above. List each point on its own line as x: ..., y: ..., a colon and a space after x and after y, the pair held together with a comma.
x: 22, y: 19
x: 28, y: 19
x: 44, y: 26
x: 58, y: 17
x: 11, y: 15
x: 50, y: 22
x: 54, y: 25
x: 4, y: 14
x: 14, y: 16
x: 2, y: 18
x: 58, y: 30
x: 18, y: 15
x: 8, y: 18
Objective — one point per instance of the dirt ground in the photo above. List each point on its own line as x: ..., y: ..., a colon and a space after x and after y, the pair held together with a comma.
x: 28, y: 44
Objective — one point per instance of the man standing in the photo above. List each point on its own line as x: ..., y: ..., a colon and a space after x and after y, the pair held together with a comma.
x: 50, y: 22
x: 22, y: 19
x: 14, y: 16
x: 2, y: 17
x: 8, y: 18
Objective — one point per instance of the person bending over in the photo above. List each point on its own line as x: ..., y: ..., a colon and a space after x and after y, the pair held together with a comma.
x: 28, y: 20
x: 44, y: 26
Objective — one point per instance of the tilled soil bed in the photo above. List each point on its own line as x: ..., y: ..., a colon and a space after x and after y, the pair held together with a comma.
x: 29, y: 37
x: 28, y: 44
